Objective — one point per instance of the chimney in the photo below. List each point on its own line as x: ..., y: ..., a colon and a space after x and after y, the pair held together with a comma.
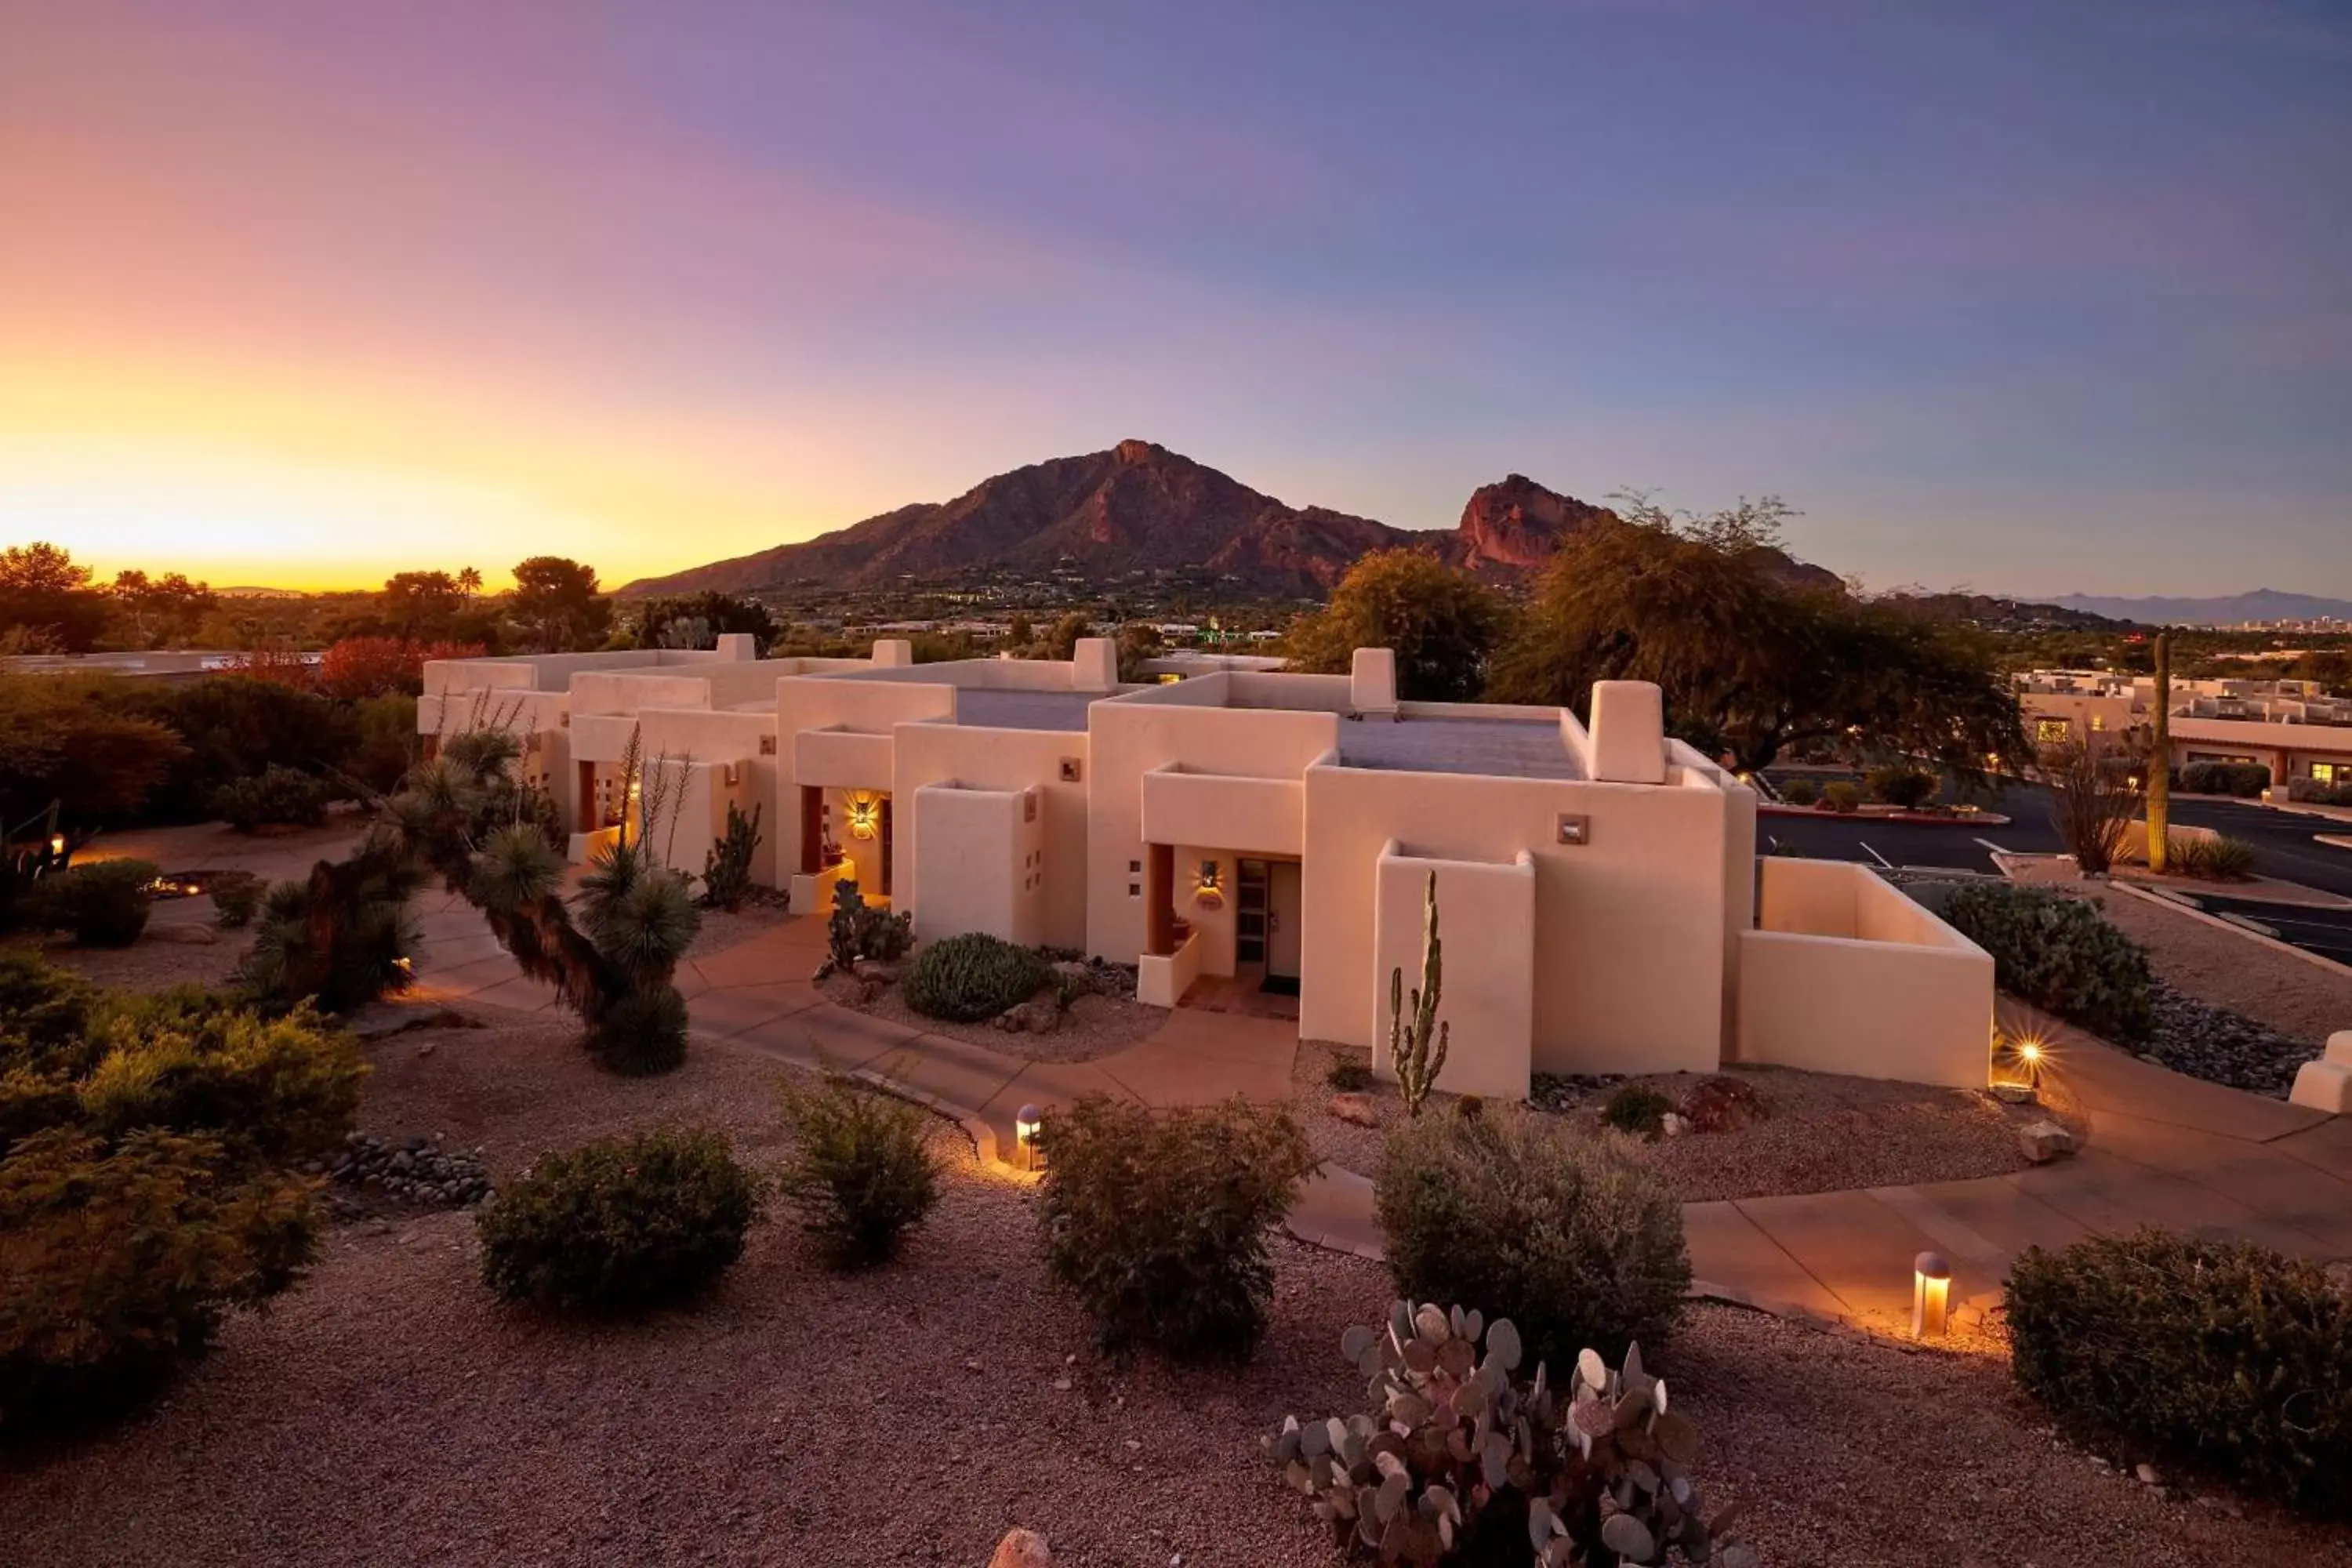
x: 1629, y: 732
x: 893, y: 653
x: 1371, y: 683
x: 1094, y: 664
x: 737, y: 647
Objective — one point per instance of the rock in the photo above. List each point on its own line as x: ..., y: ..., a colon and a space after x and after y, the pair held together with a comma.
x: 2044, y: 1141
x: 1357, y: 1109
x: 1674, y: 1124
x: 426, y: 1049
x: 185, y: 935
x: 1722, y: 1105
x: 2147, y: 1474
x: 1034, y: 1017
x: 2015, y: 1093
x: 1021, y: 1549
x: 882, y: 972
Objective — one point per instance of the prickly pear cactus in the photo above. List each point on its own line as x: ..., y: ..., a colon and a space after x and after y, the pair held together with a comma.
x: 1458, y: 1449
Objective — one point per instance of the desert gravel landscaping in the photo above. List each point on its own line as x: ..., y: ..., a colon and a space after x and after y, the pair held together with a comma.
x: 388, y: 1411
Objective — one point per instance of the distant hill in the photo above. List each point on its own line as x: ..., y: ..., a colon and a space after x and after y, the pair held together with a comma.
x: 1994, y: 613
x: 2225, y: 609
x: 1139, y: 506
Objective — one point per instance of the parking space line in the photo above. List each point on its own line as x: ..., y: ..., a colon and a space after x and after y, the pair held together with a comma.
x: 1880, y: 859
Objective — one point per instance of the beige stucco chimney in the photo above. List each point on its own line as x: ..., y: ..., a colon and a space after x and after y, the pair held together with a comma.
x: 1094, y: 664
x: 1371, y: 683
x: 1629, y: 732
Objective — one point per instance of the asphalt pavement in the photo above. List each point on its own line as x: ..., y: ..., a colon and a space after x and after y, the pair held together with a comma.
x: 2285, y: 842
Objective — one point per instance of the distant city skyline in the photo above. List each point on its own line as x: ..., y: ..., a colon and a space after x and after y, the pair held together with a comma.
x: 2021, y: 298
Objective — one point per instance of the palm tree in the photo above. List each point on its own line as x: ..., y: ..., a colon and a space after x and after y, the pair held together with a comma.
x: 470, y: 580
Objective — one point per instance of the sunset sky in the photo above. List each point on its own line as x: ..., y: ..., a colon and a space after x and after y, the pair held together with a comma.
x: 2026, y: 297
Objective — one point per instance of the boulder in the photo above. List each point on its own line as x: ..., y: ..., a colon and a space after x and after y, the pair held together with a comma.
x: 2044, y: 1141
x: 2339, y: 1048
x: 1355, y: 1109
x: 1722, y: 1105
x: 1022, y: 1549
x: 1033, y: 1018
x: 1674, y: 1124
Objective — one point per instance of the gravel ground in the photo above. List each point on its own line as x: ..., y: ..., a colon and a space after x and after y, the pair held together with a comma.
x: 2223, y: 969
x: 1825, y: 1133
x: 2213, y: 1043
x: 723, y: 929
x: 389, y: 1412
x: 153, y: 962
x: 1093, y: 1026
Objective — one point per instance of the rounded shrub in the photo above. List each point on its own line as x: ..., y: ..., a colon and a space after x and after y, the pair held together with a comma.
x: 1906, y: 788
x: 860, y: 1173
x: 2218, y: 859
x: 1156, y: 1220
x: 1800, y: 792
x: 104, y: 904
x: 275, y: 797
x: 1514, y: 1213
x: 1841, y: 796
x: 1637, y: 1108
x: 642, y: 1032
x: 2060, y: 954
x: 621, y: 1222
x: 237, y: 897
x: 964, y: 979
x: 2228, y: 1356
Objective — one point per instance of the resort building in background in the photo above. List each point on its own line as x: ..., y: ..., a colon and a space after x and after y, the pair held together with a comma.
x: 2291, y: 727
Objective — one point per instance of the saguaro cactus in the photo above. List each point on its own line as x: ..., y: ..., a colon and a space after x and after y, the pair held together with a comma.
x: 2159, y: 762
x: 1410, y: 1044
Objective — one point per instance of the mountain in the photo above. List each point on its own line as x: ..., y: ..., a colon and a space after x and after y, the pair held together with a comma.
x: 2220, y: 610
x: 1141, y: 506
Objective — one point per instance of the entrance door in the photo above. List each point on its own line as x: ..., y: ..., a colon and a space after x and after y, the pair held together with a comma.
x: 1282, y: 927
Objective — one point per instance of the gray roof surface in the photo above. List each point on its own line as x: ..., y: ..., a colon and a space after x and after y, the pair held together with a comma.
x: 1503, y: 748
x: 994, y: 710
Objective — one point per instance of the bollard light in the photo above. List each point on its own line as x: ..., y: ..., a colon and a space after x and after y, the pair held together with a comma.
x: 1025, y: 1122
x: 1931, y: 1295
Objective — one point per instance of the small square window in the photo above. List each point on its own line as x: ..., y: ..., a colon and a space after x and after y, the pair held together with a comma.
x: 1135, y: 889
x: 1135, y: 868
x: 767, y: 745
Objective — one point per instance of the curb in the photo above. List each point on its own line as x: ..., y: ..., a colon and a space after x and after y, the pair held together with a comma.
x: 2235, y: 929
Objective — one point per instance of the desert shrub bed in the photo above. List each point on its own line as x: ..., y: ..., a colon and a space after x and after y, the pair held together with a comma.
x: 620, y: 1224
x: 1158, y: 1221
x: 2229, y: 1356
x: 2061, y: 955
x: 967, y: 978
x: 1518, y: 1214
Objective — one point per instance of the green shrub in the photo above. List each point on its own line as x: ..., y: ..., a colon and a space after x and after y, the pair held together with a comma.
x: 148, y: 1150
x: 1347, y: 1075
x: 1800, y: 792
x: 383, y: 742
x: 1841, y: 796
x: 1157, y: 1221
x: 2219, y: 859
x: 275, y: 797
x: 642, y: 1032
x: 1637, y: 1108
x: 857, y: 929
x: 967, y: 978
x: 233, y: 726
x: 360, y: 908
x: 104, y: 903
x: 2244, y: 780
x: 619, y: 1224
x: 2061, y: 955
x: 1515, y: 1213
x: 861, y: 1171
x: 237, y: 897
x: 2229, y: 1356
x: 1903, y: 786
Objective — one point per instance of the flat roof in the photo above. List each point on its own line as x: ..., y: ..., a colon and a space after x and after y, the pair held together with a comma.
x: 1502, y: 747
x: 997, y: 708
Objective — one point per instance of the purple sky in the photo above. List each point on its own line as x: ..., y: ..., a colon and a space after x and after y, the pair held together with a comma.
x: 2019, y: 297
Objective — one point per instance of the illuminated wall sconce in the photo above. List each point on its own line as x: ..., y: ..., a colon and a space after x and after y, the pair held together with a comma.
x: 1025, y: 1122
x: 734, y: 774
x: 865, y: 813
x: 1931, y: 1295
x: 1209, y: 890
x: 56, y: 843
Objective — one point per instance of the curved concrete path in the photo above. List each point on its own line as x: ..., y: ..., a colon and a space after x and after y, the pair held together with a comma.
x: 2162, y: 1150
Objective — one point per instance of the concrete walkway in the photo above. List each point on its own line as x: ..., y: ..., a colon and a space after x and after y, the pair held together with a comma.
x: 2163, y: 1149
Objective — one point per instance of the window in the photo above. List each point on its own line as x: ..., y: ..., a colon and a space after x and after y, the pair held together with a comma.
x: 2330, y: 773
x: 2098, y: 721
x: 2052, y: 732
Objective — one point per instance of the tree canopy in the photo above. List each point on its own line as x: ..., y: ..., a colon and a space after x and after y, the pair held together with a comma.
x: 1750, y: 665
x: 46, y: 600
x: 698, y: 620
x: 1443, y: 626
x: 557, y: 603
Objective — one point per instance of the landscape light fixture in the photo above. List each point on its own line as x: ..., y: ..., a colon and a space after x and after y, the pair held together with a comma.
x: 1025, y: 1122
x: 1931, y: 1295
x: 56, y: 843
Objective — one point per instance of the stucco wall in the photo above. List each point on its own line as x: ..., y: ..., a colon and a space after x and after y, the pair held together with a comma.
x: 1848, y: 976
x: 981, y: 863
x: 1256, y: 817
x: 1629, y: 927
x: 1486, y: 924
x: 1008, y: 759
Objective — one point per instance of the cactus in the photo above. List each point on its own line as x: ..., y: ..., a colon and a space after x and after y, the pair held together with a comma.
x: 727, y: 869
x: 1459, y: 1453
x: 1417, y: 1066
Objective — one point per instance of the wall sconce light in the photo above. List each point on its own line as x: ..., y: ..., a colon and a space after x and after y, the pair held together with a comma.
x: 1208, y: 889
x: 864, y: 812
x: 1025, y: 1122
x: 1931, y: 1295
x: 56, y: 843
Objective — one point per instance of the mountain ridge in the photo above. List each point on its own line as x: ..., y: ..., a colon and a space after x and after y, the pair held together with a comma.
x: 2219, y: 609
x: 1139, y: 506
